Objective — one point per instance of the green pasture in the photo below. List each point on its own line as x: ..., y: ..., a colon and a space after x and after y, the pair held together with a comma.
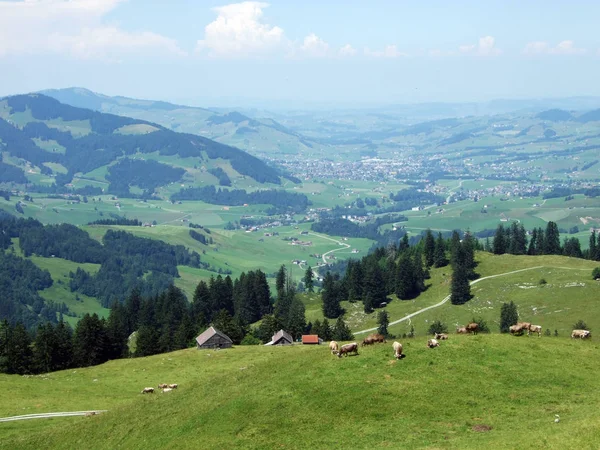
x: 471, y: 392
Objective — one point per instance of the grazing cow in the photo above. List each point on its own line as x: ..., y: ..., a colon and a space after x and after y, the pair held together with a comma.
x: 433, y: 343
x: 535, y: 329
x: 368, y: 341
x: 347, y: 348
x: 441, y: 336
x: 378, y: 338
x: 148, y: 390
x: 524, y: 325
x: 516, y: 329
x: 582, y: 334
x: 462, y: 330
x: 473, y: 327
x: 334, y: 347
x: 172, y: 386
x: 163, y: 385
x: 167, y: 390
x: 397, y: 349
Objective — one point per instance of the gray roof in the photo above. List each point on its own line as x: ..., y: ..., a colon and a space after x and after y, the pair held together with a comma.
x: 280, y: 335
x: 210, y: 332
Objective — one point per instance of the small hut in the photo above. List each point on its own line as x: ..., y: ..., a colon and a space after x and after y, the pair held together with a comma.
x: 213, y: 338
x: 311, y: 339
x: 281, y: 338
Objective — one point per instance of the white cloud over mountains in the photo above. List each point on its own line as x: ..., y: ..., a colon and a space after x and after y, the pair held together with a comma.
x: 74, y: 27
x: 486, y: 46
x: 544, y: 48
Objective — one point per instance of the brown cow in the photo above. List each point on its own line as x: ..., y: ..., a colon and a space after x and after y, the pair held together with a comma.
x: 368, y: 341
x: 441, y: 336
x: 431, y: 343
x: 347, y: 348
x: 516, y: 329
x: 473, y: 327
x: 172, y: 386
x: 582, y: 334
x: 397, y: 346
x: 462, y: 330
x: 148, y: 390
x: 378, y: 338
x: 524, y: 325
x: 535, y: 329
x: 163, y: 385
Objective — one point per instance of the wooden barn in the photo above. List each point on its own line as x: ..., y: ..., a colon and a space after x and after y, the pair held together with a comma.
x: 213, y: 338
x: 311, y: 339
x: 281, y: 338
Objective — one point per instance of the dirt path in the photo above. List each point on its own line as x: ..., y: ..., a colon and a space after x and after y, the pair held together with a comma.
x: 50, y: 415
x: 446, y: 299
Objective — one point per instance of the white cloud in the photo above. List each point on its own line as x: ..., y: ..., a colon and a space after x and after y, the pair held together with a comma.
x: 485, y: 47
x: 238, y: 30
x: 347, y: 50
x: 314, y: 46
x: 71, y: 27
x: 390, y: 51
x: 544, y: 48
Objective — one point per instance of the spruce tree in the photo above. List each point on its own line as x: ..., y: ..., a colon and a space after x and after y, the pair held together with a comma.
x: 326, y: 331
x: 375, y: 292
x: 594, y: 251
x: 508, y: 316
x: 405, y: 278
x: 280, y: 280
x: 355, y: 280
x: 44, y: 348
x: 329, y: 296
x: 552, y: 240
x: 454, y: 246
x: 440, y: 252
x: 341, y: 331
x: 460, y: 290
x: 268, y: 327
x: 296, y: 320
x: 201, y: 305
x: 19, y: 356
x: 383, y: 321
x: 429, y: 248
x: 308, y: 279
x: 90, y: 343
x: 499, y: 244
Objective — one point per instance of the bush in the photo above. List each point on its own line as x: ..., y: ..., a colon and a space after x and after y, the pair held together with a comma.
x: 483, y: 326
x: 547, y: 332
x: 437, y: 327
x: 542, y: 281
x: 250, y: 339
x: 411, y: 333
x: 555, y: 333
x: 580, y: 325
x: 596, y: 273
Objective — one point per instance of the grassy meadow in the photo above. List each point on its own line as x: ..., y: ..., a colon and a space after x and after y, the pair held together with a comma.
x: 471, y: 392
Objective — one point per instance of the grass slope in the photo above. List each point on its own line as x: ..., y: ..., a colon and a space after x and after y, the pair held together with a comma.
x: 303, y: 397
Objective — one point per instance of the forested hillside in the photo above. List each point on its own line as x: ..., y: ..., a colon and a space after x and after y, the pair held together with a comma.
x: 41, y: 130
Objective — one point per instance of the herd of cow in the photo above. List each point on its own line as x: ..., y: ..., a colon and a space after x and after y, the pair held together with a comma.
x: 164, y: 386
x: 471, y: 328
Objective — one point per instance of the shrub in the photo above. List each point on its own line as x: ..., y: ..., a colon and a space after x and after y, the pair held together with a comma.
x: 580, y: 325
x: 596, y: 273
x: 547, y: 332
x: 437, y: 327
x: 555, y: 333
x: 411, y: 333
x: 250, y: 339
x: 542, y: 281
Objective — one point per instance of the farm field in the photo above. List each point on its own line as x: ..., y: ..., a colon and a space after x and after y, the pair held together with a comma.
x: 227, y: 398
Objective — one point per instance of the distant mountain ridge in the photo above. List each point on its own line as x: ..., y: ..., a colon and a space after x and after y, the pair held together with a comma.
x: 259, y: 136
x: 41, y: 130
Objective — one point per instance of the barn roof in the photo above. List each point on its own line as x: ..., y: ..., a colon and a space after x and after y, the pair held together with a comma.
x: 310, y: 339
x: 210, y: 332
x: 280, y: 335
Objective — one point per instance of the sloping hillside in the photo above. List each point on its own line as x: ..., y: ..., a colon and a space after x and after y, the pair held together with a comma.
x: 257, y: 136
x: 471, y: 392
x: 55, y: 142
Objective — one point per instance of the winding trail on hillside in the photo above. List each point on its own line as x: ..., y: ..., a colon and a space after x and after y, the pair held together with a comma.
x: 51, y: 415
x: 447, y: 298
x: 345, y: 246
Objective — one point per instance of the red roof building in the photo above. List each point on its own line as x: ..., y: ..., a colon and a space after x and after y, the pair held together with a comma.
x: 311, y: 339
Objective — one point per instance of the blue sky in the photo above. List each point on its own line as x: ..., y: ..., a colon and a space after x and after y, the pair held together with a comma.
x: 293, y: 53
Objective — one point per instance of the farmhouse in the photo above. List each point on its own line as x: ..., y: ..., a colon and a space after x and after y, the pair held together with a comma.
x: 213, y: 338
x: 281, y: 338
x: 311, y: 339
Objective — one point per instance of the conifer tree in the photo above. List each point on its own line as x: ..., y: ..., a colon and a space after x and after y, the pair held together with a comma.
x: 296, y: 322
x: 90, y: 343
x: 499, y: 244
x: 201, y: 304
x: 552, y: 240
x: 594, y: 250
x: 18, y: 353
x: 268, y: 327
x: 355, y: 280
x: 429, y: 248
x: 383, y: 321
x: 375, y: 292
x: 405, y: 278
x: 440, y: 252
x: 329, y: 296
x: 44, y: 348
x: 508, y: 316
x: 341, y: 331
x: 308, y: 279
